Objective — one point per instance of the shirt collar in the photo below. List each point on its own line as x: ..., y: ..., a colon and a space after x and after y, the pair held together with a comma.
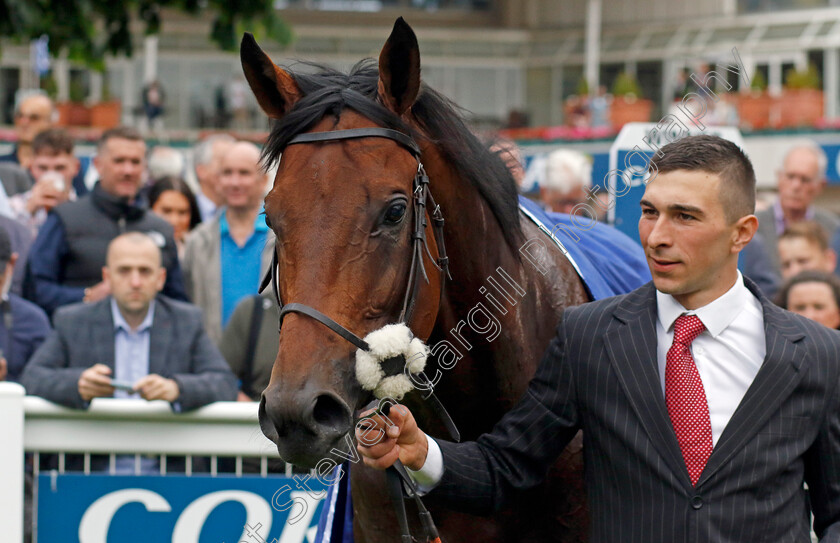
x: 259, y: 222
x: 779, y: 215
x: 120, y: 323
x: 716, y: 316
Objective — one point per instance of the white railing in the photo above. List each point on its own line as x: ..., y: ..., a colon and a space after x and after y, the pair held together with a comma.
x: 117, y: 427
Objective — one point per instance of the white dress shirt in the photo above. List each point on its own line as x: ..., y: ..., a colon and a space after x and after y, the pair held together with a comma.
x: 728, y: 355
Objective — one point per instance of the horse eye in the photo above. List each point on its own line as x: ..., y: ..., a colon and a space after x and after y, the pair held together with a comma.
x: 395, y: 213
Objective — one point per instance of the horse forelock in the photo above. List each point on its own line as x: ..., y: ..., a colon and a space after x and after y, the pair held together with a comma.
x: 328, y: 92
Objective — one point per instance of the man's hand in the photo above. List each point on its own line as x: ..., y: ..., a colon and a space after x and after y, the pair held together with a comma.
x: 4, y: 369
x: 97, y: 292
x: 381, y: 440
x: 45, y: 196
x: 95, y: 382
x: 155, y: 387
x: 242, y: 397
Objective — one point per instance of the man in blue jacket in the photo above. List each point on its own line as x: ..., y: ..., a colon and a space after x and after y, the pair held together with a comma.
x: 67, y: 257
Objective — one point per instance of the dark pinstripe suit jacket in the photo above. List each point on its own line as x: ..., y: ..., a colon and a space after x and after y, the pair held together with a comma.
x: 600, y: 374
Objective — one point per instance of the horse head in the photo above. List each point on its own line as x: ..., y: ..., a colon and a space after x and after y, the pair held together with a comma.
x: 344, y: 213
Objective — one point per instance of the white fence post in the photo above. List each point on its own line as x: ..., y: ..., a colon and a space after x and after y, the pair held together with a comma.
x: 11, y: 461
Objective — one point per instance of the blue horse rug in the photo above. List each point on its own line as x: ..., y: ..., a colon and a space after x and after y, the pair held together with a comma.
x: 608, y: 262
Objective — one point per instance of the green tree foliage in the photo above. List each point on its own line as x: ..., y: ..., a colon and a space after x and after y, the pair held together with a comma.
x: 88, y: 29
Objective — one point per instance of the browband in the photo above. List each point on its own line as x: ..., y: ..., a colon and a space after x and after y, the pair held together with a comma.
x: 353, y: 133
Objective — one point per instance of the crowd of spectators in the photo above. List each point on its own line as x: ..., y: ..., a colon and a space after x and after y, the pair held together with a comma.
x: 123, y: 288
x: 139, y: 287
x: 793, y: 256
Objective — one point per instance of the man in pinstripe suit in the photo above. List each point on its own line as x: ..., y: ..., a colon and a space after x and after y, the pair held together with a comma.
x: 704, y: 407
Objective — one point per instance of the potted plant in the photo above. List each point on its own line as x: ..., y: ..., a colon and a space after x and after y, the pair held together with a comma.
x: 755, y: 104
x: 628, y: 105
x: 106, y: 113
x: 74, y: 112
x: 802, y: 100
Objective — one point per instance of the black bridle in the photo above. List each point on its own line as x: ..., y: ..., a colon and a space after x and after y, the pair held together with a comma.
x: 422, y: 200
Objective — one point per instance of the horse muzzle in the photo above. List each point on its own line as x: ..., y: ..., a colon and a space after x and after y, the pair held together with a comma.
x: 305, y: 426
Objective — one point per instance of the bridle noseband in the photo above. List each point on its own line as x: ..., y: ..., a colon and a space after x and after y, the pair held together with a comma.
x: 421, y: 199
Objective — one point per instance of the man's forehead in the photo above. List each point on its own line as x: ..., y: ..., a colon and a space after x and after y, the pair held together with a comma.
x: 134, y: 253
x: 684, y: 182
x: 220, y: 147
x: 798, y: 242
x: 685, y: 189
x: 51, y: 155
x: 125, y: 145
x: 241, y: 158
x: 36, y: 103
x: 801, y: 157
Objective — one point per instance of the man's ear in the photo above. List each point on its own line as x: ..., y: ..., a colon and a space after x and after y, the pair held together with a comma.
x: 161, y: 279
x: 74, y: 168
x: 830, y: 260
x: 744, y: 231
x: 822, y: 184
x: 106, y: 276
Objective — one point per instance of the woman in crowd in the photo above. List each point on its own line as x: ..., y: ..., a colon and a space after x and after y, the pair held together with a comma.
x: 172, y: 199
x: 813, y: 294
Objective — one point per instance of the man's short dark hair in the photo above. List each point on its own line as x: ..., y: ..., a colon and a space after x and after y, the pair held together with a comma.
x: 120, y: 132
x: 714, y: 155
x: 811, y: 231
x: 53, y: 141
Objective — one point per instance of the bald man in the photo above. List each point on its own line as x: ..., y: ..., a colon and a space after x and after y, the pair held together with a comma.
x: 227, y: 254
x: 133, y: 343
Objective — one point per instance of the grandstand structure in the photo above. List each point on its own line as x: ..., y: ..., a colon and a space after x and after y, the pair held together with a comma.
x: 490, y: 56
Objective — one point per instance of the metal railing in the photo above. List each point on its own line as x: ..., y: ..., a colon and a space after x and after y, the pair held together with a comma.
x: 116, y: 428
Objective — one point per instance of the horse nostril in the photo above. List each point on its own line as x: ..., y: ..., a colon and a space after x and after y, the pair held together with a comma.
x: 331, y: 413
x: 266, y: 423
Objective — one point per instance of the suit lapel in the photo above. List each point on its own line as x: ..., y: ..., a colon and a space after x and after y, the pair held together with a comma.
x: 780, y: 373
x: 159, y: 340
x: 103, y: 334
x: 631, y: 344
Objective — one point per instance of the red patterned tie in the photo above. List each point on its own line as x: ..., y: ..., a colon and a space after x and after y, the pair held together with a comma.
x: 686, y: 398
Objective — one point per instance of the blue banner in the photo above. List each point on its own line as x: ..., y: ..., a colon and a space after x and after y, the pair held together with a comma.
x: 97, y: 508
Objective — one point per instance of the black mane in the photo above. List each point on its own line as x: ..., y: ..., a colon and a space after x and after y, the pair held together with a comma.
x: 328, y: 92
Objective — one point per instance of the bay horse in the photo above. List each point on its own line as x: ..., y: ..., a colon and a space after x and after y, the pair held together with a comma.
x: 342, y: 213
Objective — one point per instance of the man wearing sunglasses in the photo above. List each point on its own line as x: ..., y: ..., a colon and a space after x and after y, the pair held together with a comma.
x: 33, y: 115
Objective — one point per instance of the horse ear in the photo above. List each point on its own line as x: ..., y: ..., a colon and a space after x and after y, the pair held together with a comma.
x: 275, y: 89
x: 399, y: 68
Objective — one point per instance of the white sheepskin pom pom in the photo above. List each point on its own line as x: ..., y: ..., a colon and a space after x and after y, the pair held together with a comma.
x: 368, y: 370
x: 387, y: 342
x: 417, y: 355
x: 395, y: 387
